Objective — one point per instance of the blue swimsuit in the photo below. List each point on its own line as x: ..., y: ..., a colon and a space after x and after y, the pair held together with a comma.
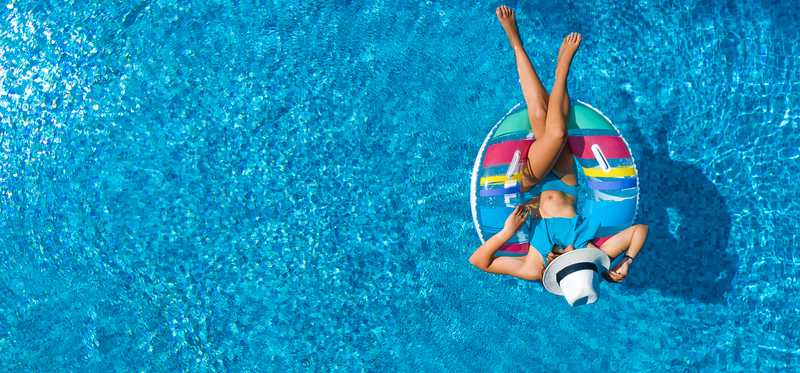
x: 563, y: 232
x: 553, y: 182
x: 575, y: 231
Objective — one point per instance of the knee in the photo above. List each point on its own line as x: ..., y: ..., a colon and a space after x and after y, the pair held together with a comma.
x: 642, y: 229
x: 539, y: 114
x: 557, y: 134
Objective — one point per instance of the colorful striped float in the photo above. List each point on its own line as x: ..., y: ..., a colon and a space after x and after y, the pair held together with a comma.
x: 608, y: 170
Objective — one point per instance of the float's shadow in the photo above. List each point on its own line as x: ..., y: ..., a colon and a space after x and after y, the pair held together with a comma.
x: 687, y: 252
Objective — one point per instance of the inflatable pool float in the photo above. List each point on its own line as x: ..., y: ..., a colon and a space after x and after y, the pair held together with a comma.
x: 607, y: 169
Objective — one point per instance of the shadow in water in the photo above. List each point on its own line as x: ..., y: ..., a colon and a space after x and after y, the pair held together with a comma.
x: 687, y: 252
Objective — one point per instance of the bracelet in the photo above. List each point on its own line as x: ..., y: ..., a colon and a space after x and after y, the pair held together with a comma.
x: 628, y: 257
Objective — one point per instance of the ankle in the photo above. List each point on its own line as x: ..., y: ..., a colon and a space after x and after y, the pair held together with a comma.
x: 516, y: 45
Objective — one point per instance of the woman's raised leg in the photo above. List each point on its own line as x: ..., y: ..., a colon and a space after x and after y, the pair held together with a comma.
x: 543, y: 154
x: 532, y: 89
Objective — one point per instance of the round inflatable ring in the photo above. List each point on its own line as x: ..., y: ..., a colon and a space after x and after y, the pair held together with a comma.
x: 607, y: 167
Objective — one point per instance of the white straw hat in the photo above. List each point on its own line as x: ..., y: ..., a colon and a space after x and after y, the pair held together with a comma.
x: 576, y: 274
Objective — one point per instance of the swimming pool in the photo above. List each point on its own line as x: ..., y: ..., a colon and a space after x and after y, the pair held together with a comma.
x: 218, y: 186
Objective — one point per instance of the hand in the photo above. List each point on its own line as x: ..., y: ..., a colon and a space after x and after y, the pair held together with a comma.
x: 515, y: 220
x: 618, y: 273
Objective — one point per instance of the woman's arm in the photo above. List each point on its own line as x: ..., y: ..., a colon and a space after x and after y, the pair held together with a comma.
x: 529, y: 267
x: 524, y: 268
x: 483, y: 255
x: 628, y: 241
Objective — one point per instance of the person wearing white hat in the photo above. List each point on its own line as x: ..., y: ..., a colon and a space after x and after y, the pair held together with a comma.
x: 552, y: 232
x: 549, y: 163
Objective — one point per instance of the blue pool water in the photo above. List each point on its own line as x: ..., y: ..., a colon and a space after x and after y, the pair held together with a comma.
x: 244, y: 185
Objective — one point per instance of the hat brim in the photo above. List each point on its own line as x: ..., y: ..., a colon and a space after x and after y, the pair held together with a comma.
x: 589, y: 254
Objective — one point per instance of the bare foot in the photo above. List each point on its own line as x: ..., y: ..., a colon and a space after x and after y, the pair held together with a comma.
x: 509, y: 23
x: 619, y: 272
x: 568, y: 48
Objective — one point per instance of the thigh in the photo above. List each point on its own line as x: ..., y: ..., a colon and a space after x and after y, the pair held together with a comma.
x: 618, y: 243
x: 537, y: 117
x: 542, y: 155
